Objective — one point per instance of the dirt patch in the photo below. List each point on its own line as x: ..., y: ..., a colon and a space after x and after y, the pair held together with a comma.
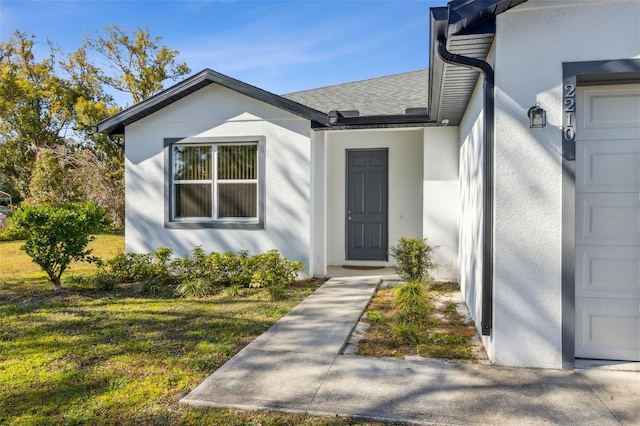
x: 449, y: 334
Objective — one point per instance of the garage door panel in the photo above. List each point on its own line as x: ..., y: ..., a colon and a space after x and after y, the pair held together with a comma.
x: 607, y: 329
x: 608, y: 219
x: 603, y: 109
x: 607, y: 194
x: 611, y: 166
x: 608, y: 272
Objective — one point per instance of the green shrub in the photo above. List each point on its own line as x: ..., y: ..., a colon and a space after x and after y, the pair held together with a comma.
x: 132, y: 267
x: 231, y: 268
x: 220, y: 269
x: 59, y: 235
x: 409, y: 333
x: 375, y: 315
x: 192, y: 267
x: 199, y: 274
x: 194, y: 287
x: 277, y: 292
x: 10, y: 232
x: 413, y: 310
x: 272, y: 269
x: 74, y: 279
x: 233, y: 291
x: 105, y: 281
x: 412, y: 305
x: 161, y: 264
x: 151, y: 286
x: 413, y: 258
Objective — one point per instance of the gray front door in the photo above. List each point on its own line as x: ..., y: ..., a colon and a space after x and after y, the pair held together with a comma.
x: 367, y: 195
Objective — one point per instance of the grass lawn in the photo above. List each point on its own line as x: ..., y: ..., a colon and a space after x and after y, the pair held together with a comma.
x: 80, y: 356
x: 16, y: 265
x: 446, y: 335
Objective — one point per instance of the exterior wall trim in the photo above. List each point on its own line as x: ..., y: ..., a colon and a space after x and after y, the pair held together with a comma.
x: 587, y: 73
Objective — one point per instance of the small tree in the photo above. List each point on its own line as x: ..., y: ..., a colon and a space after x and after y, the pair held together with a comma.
x: 59, y: 235
x: 413, y: 256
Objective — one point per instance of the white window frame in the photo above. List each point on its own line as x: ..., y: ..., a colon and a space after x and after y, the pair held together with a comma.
x: 214, y: 221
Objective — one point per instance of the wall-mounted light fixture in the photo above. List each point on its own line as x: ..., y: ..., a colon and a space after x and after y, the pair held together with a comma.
x: 445, y: 122
x: 537, y: 117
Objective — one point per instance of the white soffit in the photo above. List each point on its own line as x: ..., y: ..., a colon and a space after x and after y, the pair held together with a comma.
x: 458, y: 82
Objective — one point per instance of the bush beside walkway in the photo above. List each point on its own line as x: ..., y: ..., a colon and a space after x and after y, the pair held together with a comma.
x: 81, y: 356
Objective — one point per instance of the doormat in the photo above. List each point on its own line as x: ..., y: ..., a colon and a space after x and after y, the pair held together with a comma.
x: 362, y: 268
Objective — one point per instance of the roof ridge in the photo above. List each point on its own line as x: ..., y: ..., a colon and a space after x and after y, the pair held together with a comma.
x: 353, y: 82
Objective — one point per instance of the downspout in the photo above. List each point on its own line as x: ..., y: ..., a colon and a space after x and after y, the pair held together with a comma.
x: 109, y: 139
x: 487, y: 230
x: 115, y: 143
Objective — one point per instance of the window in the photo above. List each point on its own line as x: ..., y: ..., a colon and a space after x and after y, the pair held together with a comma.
x: 237, y: 181
x: 215, y: 182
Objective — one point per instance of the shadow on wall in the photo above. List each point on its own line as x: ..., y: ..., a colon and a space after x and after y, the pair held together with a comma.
x: 527, y: 229
x: 527, y: 223
x: 209, y: 108
x: 528, y: 238
x: 471, y: 219
x: 287, y: 209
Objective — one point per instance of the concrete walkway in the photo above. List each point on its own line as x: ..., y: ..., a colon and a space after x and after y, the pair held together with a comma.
x: 296, y: 366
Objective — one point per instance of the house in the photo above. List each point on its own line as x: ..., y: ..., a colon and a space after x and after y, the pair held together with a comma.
x: 541, y: 225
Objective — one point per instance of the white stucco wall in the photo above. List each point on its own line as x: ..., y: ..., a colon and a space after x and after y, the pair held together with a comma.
x: 220, y: 112
x: 318, y: 255
x: 440, y: 198
x: 471, y: 175
x: 532, y: 42
x: 405, y: 184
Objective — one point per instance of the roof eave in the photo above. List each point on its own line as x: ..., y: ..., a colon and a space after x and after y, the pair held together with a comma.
x: 437, y: 27
x: 462, y: 23
x: 117, y: 123
x: 464, y: 15
x: 382, y: 120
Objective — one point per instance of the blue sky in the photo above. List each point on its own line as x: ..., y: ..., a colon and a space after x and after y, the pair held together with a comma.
x: 280, y: 46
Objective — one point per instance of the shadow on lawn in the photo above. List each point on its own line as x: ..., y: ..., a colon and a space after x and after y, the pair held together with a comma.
x: 59, y: 350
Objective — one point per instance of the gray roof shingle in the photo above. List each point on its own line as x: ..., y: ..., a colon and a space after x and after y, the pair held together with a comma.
x: 390, y: 94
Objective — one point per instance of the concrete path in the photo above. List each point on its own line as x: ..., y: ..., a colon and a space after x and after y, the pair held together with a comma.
x: 296, y: 366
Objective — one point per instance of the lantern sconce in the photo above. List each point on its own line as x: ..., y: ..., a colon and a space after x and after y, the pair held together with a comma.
x: 537, y: 117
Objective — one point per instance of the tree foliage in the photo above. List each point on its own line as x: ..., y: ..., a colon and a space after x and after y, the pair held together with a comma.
x: 76, y: 174
x: 36, y: 108
x: 137, y: 63
x: 59, y: 235
x: 44, y: 104
x: 51, y: 182
x: 53, y: 103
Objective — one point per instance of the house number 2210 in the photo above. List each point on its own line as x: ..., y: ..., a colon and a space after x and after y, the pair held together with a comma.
x: 569, y: 112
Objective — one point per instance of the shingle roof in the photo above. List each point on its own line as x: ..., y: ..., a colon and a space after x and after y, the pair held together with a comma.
x: 391, y: 94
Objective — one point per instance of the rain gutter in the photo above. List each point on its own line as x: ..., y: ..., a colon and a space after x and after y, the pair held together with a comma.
x: 487, y: 201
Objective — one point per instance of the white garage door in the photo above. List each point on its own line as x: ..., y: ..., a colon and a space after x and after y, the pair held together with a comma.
x: 608, y: 223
